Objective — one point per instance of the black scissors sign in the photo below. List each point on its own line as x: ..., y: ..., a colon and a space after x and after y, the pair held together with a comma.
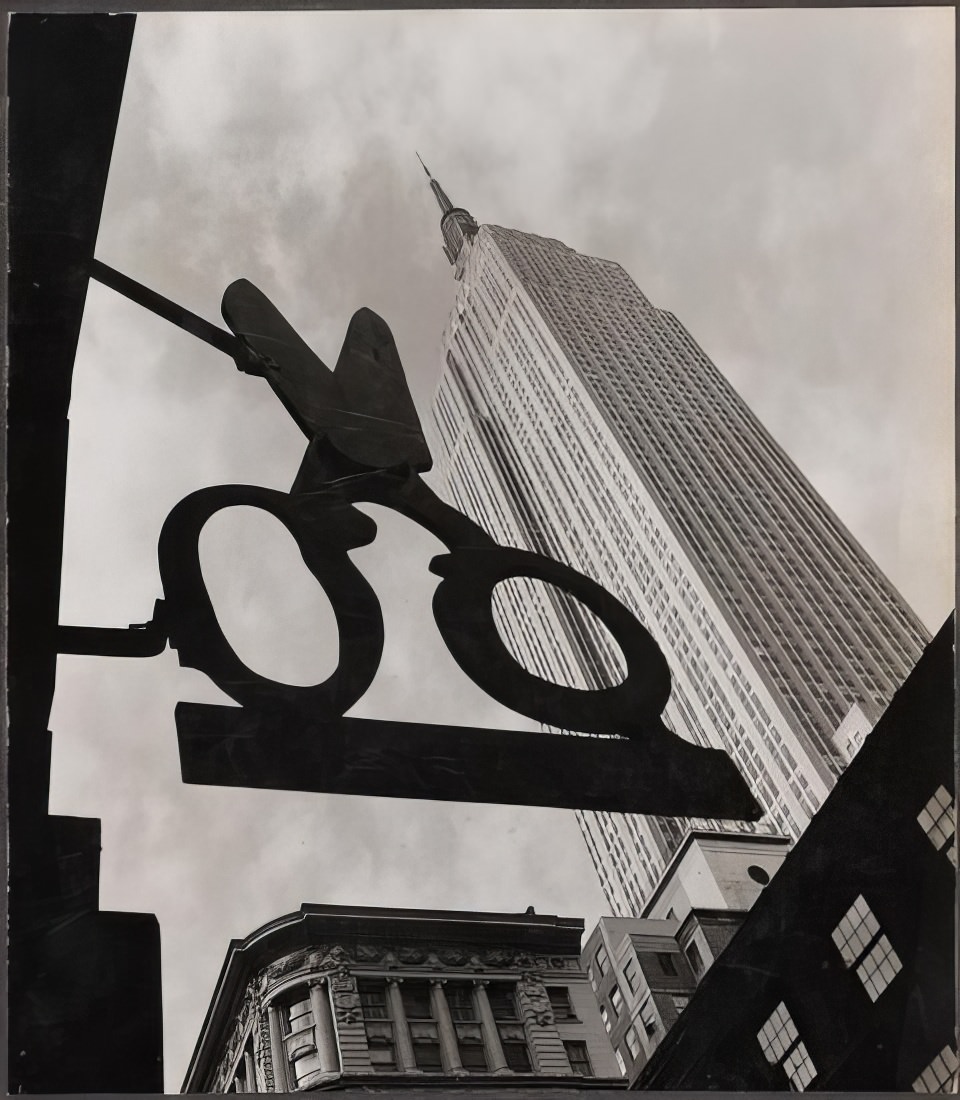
x: 366, y: 446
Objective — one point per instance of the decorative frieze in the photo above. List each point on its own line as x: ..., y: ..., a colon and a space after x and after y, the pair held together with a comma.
x: 469, y: 957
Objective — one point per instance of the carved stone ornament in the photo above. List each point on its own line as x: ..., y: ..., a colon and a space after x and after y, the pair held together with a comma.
x: 534, y: 1001
x: 346, y: 999
x: 266, y: 1051
x: 285, y: 965
x: 453, y: 956
x: 498, y: 956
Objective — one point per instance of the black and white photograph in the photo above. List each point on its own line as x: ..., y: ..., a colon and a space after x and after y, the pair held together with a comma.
x: 480, y: 551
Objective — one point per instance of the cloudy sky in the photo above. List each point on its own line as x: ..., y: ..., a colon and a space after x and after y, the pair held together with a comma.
x: 781, y: 180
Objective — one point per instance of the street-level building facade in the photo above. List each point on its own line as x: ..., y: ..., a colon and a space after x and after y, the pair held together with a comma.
x: 645, y: 969
x: 575, y: 419
x: 367, y: 999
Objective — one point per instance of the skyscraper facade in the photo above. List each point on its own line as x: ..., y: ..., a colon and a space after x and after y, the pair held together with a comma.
x: 575, y: 419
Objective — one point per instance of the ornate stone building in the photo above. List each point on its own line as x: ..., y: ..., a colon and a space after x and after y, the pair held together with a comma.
x: 360, y: 998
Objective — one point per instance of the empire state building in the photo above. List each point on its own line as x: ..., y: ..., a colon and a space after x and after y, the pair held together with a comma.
x: 575, y: 419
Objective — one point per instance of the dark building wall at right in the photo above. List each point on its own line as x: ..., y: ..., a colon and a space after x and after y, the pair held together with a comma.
x: 843, y: 975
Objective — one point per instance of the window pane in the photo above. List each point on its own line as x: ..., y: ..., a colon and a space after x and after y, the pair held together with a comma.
x: 502, y: 1000
x: 518, y: 1058
x: 855, y: 931
x: 630, y: 975
x: 382, y: 1057
x: 472, y: 1056
x: 633, y: 1042
x: 299, y: 1015
x: 306, y: 1064
x: 667, y: 963
x: 460, y: 1000
x: 416, y: 1000
x: 560, y: 1002
x: 799, y: 1067
x: 427, y: 1056
x: 940, y: 1075
x: 579, y: 1059
x: 879, y: 968
x: 602, y: 961
x: 937, y: 818
x: 373, y: 999
x: 777, y: 1034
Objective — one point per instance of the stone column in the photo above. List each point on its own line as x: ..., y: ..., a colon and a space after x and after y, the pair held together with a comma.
x: 278, y: 1052
x: 326, y: 1038
x: 402, y: 1043
x: 449, y: 1051
x: 496, y: 1059
x: 249, y: 1071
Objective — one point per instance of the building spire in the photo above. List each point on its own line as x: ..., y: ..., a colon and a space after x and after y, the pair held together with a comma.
x: 456, y: 224
x: 441, y: 196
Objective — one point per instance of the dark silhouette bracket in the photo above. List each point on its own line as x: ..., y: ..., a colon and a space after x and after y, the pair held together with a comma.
x: 137, y: 640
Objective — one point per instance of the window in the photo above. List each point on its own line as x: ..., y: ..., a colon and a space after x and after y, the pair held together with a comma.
x: 667, y: 964
x: 603, y: 963
x: 940, y: 1075
x: 373, y: 999
x: 648, y: 1016
x: 621, y: 1063
x: 298, y: 1016
x: 862, y: 945
x: 517, y: 1055
x: 633, y: 1042
x: 501, y: 996
x: 579, y: 1059
x: 938, y: 821
x: 696, y: 959
x: 605, y: 1016
x: 416, y: 1000
x: 560, y: 1002
x: 460, y: 1001
x: 382, y: 1056
x: 472, y: 1057
x: 299, y: 1039
x: 426, y: 1053
x: 782, y: 1045
x: 616, y: 1000
x: 630, y: 975
x: 680, y: 1003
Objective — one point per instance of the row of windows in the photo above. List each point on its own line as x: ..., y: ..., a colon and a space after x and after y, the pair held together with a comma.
x: 461, y: 999
x: 867, y: 951
x: 419, y: 1018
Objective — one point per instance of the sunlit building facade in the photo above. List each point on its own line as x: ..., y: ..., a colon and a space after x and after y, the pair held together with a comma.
x: 372, y: 1000
x: 575, y: 419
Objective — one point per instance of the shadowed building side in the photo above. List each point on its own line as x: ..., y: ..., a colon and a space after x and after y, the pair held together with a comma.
x: 84, y: 985
x: 842, y: 976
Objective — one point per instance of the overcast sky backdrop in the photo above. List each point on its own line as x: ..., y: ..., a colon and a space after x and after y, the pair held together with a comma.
x: 781, y: 180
